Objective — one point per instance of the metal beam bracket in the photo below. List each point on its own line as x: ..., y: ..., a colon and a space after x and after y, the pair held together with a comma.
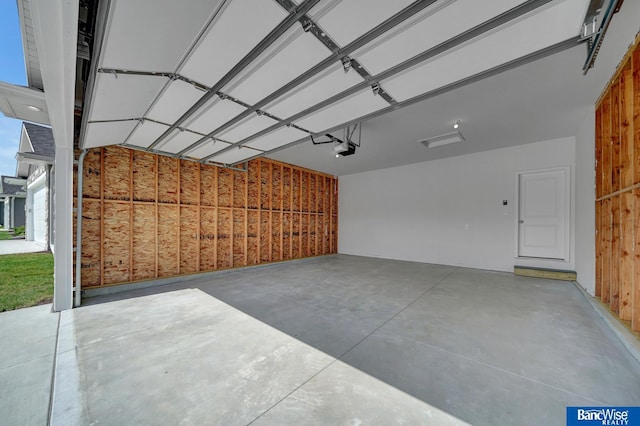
x: 307, y: 25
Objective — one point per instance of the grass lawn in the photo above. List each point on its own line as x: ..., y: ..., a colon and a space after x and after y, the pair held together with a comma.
x: 25, y: 280
x: 5, y: 235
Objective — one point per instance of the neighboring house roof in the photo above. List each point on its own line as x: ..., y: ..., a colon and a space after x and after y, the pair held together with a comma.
x: 36, y: 147
x: 41, y: 139
x: 13, y: 187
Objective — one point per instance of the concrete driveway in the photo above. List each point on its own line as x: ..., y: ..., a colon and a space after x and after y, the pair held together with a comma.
x: 28, y: 339
x: 19, y: 246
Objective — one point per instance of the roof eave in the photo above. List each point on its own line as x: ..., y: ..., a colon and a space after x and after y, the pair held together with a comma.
x: 31, y: 158
x: 34, y: 75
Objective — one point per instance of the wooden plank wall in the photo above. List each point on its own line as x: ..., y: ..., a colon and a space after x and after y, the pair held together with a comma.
x: 147, y: 216
x: 617, y: 126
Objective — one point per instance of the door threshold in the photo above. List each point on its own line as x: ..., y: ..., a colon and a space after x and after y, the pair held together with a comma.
x: 551, y: 274
x: 546, y: 259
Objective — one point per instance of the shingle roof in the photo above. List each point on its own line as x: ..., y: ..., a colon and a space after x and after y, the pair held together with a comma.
x: 13, y: 186
x: 41, y: 139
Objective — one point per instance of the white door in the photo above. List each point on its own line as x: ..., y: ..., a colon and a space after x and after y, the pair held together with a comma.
x: 544, y: 214
x: 39, y: 214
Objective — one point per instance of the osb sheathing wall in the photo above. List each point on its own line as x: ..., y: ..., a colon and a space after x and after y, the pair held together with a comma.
x: 618, y: 191
x: 148, y: 216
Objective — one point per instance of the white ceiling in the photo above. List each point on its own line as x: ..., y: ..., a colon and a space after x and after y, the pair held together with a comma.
x: 524, y: 105
x: 544, y: 100
x: 208, y: 39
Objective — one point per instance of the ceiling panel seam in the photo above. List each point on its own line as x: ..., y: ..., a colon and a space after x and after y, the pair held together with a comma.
x: 439, y: 49
x: 310, y: 26
x: 172, y: 76
x: 259, y: 152
x: 321, y: 35
x: 361, y: 41
x: 248, y: 58
x: 201, y: 35
x: 532, y: 57
x: 143, y: 119
x: 206, y: 137
x: 170, y: 154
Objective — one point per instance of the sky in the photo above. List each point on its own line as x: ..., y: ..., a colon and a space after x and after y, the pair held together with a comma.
x: 12, y: 71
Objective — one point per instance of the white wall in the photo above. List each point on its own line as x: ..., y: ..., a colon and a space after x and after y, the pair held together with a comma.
x: 445, y: 211
x: 585, y: 203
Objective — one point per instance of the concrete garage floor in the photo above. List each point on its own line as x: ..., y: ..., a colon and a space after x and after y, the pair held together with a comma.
x: 340, y: 340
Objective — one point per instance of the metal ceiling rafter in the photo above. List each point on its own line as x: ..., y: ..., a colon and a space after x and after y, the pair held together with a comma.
x: 172, y: 155
x: 172, y: 76
x: 294, y: 16
x: 499, y: 69
x: 116, y: 120
x: 598, y: 38
x: 224, y: 96
x: 160, y: 151
x: 100, y: 36
x: 175, y: 76
x: 439, y: 49
x: 184, y: 157
x: 166, y: 153
x: 143, y: 119
x: 310, y: 26
x: 361, y: 41
x: 258, y: 112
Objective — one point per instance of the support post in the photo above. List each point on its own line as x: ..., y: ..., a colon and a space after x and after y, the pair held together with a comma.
x: 55, y: 25
x: 63, y: 225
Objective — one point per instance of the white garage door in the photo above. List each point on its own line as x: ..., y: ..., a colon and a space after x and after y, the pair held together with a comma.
x: 40, y: 214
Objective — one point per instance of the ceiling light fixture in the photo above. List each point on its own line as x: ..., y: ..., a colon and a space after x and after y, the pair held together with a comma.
x: 34, y: 108
x: 445, y: 139
x: 456, y: 124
